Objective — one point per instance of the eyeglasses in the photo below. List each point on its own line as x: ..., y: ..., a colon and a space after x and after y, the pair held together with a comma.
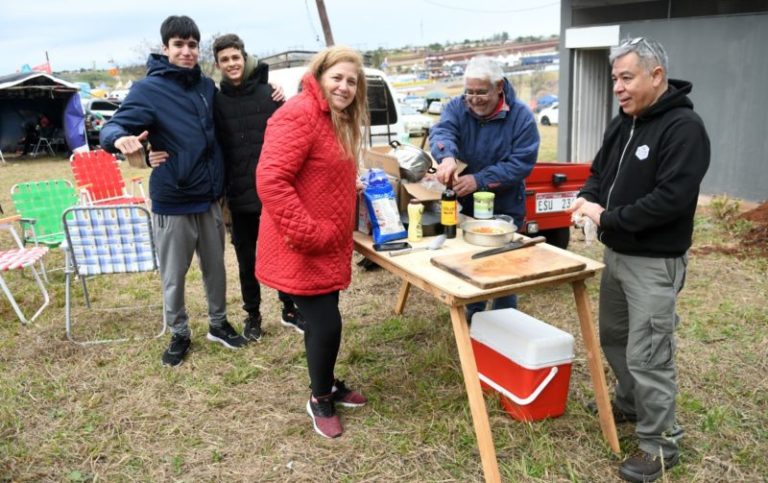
x: 478, y: 94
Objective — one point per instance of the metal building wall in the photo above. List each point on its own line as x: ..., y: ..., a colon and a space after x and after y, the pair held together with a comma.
x: 725, y: 59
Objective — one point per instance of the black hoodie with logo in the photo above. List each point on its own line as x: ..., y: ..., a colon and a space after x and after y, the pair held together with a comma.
x: 647, y: 175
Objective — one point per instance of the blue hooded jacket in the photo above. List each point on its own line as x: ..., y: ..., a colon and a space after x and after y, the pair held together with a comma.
x: 500, y: 152
x: 175, y: 105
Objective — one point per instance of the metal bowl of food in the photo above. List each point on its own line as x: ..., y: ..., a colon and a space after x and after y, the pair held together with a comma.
x: 489, y: 233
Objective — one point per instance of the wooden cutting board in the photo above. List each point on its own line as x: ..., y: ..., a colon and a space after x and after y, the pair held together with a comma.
x: 516, y: 266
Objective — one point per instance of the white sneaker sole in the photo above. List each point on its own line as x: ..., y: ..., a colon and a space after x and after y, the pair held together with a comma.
x: 213, y: 338
x: 293, y: 326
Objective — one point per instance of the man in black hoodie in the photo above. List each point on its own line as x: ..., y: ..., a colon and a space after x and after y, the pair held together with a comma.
x: 242, y: 108
x: 642, y: 195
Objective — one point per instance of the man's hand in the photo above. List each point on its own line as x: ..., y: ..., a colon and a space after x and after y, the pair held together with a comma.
x: 156, y: 158
x: 582, y: 207
x: 465, y: 185
x: 446, y: 171
x: 278, y: 94
x: 131, y: 144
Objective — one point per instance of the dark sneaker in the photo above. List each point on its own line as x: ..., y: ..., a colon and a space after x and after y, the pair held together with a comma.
x: 292, y: 318
x: 252, y: 330
x: 177, y: 349
x: 324, y: 418
x: 619, y: 416
x: 346, y: 397
x: 643, y: 467
x: 226, y: 336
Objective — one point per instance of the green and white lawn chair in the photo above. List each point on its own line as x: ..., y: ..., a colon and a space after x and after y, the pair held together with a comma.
x: 41, y: 204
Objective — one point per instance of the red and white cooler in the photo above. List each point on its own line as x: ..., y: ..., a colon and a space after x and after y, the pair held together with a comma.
x: 525, y: 360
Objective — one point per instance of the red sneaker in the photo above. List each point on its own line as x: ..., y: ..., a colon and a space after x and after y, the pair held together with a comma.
x: 324, y: 418
x: 345, y: 396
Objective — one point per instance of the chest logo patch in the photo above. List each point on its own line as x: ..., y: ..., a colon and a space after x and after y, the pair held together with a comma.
x: 641, y: 152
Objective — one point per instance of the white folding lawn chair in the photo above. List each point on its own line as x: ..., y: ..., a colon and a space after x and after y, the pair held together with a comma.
x: 19, y: 258
x: 108, y: 240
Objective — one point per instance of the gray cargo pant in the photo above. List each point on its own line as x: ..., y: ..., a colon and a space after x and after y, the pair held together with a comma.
x: 637, y: 323
x: 177, y: 238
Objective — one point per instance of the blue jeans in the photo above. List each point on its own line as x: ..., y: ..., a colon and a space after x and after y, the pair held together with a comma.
x: 507, y: 302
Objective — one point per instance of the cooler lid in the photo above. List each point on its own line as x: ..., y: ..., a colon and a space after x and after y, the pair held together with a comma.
x: 525, y: 340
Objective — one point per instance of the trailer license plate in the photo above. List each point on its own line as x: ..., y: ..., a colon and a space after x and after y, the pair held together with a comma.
x: 554, y: 202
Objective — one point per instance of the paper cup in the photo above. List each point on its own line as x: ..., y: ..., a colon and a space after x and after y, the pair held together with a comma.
x: 137, y: 159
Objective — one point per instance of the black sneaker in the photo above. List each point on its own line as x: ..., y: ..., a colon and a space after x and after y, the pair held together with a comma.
x: 292, y: 318
x: 226, y: 336
x: 177, y: 349
x: 252, y: 330
x: 644, y: 467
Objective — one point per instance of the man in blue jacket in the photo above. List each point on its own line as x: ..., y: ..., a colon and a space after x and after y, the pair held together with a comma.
x: 642, y: 195
x: 495, y: 134
x: 172, y: 108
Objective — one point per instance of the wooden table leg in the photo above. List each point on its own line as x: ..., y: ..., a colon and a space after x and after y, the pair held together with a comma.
x: 475, y: 395
x: 607, y: 424
x: 405, y: 288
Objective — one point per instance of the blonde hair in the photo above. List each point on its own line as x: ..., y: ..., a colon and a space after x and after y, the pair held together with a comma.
x: 350, y: 125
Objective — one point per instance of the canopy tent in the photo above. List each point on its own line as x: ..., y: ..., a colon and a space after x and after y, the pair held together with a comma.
x: 27, y: 96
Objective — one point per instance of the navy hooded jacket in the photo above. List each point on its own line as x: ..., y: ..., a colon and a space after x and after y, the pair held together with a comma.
x: 175, y: 105
x: 500, y: 152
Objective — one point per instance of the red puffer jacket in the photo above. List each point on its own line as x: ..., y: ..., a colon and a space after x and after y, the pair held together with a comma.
x: 307, y: 189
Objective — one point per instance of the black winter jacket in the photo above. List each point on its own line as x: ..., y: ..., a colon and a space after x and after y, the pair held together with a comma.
x: 647, y: 176
x: 241, y: 114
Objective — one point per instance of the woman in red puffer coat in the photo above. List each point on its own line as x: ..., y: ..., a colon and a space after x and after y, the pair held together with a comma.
x: 306, y: 180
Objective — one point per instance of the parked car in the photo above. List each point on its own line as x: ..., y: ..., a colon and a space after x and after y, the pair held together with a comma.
x: 416, y: 102
x: 119, y: 94
x: 549, y: 115
x: 97, y: 113
x: 435, y: 107
x: 414, y: 123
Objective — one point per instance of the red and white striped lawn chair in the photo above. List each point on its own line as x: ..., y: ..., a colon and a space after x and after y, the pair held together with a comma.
x: 19, y: 258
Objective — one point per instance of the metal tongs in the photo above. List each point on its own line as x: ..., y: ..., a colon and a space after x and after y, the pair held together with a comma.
x: 509, y: 247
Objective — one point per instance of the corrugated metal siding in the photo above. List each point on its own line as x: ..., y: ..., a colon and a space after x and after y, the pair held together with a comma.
x: 591, y: 102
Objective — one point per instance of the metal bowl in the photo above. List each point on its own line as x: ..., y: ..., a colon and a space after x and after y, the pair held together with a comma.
x: 488, y: 233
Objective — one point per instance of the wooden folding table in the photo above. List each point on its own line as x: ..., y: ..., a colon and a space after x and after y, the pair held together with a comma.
x: 417, y: 269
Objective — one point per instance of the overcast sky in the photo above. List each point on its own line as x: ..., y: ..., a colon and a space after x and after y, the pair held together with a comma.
x: 79, y: 33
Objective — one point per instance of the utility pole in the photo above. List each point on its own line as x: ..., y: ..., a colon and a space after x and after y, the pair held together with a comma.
x: 325, y: 23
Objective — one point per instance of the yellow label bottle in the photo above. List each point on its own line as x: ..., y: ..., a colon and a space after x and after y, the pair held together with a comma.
x: 415, y: 212
x: 449, y: 213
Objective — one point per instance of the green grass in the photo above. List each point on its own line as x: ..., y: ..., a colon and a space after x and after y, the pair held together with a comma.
x: 112, y: 413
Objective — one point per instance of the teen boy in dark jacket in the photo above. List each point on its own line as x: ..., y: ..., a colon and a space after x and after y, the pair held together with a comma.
x: 243, y: 106
x: 173, y: 109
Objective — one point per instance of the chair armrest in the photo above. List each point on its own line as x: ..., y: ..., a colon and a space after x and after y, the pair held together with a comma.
x: 9, y: 220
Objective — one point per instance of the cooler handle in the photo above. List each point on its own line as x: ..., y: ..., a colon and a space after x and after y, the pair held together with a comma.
x: 515, y: 399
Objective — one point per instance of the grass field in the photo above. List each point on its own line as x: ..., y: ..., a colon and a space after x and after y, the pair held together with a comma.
x: 113, y: 413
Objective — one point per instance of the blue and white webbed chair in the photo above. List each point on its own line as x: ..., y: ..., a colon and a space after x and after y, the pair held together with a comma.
x: 110, y: 240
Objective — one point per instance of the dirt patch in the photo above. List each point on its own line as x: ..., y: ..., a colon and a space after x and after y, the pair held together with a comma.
x: 757, y: 237
x: 753, y: 242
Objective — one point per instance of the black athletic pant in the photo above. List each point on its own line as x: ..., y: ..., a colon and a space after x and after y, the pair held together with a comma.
x: 245, y: 233
x: 322, y: 338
